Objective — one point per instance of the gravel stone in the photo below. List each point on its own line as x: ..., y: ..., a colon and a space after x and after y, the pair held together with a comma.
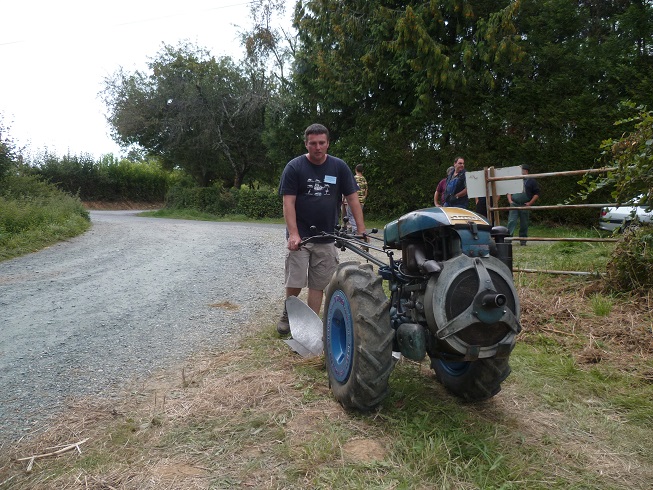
x: 130, y: 296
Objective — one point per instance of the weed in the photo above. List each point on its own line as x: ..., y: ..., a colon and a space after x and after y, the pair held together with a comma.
x: 601, y: 305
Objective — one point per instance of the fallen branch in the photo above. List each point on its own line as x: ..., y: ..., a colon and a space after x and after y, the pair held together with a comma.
x: 53, y: 453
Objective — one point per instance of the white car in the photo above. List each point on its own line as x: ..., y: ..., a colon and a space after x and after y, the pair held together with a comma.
x: 614, y: 218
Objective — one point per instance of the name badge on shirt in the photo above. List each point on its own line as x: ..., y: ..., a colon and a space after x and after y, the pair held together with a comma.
x: 330, y: 179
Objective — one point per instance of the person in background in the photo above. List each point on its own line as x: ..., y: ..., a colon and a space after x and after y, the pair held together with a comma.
x: 362, y: 195
x: 312, y: 185
x: 527, y: 198
x: 455, y: 193
x: 438, y: 197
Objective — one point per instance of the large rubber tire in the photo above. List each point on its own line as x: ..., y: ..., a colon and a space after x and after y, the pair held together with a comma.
x: 473, y: 381
x: 358, y: 337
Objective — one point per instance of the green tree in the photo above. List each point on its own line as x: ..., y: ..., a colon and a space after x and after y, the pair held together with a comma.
x: 8, y: 151
x: 631, y: 158
x: 563, y: 99
x: 399, y: 85
x: 195, y: 112
x: 411, y: 84
x: 270, y: 51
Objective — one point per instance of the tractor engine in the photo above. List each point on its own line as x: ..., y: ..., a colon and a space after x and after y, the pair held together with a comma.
x: 455, y: 298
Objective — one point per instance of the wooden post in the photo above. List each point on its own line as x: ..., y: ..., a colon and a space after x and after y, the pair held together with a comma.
x: 492, y: 190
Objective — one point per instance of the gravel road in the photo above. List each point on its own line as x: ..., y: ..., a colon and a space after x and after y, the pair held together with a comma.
x: 128, y: 297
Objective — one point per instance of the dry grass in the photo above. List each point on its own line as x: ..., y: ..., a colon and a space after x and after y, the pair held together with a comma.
x: 562, y: 309
x: 261, y: 417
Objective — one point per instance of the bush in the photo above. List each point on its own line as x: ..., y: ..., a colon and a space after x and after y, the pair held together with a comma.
x: 212, y: 200
x: 631, y: 265
x: 7, y: 152
x: 35, y: 214
x: 255, y: 204
x: 107, y: 179
x: 136, y: 181
x: 258, y: 204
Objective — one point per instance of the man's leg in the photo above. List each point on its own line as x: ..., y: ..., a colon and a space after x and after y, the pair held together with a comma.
x: 323, y: 263
x: 513, y: 216
x: 314, y: 300
x: 295, y: 274
x: 351, y: 220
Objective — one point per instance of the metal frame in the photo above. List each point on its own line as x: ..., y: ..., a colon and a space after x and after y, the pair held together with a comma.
x: 492, y: 196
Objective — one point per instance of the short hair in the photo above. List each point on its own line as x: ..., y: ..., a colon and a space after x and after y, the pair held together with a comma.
x: 458, y: 158
x: 359, y: 167
x: 316, y: 129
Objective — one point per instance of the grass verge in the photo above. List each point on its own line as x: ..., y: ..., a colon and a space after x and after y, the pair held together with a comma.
x: 34, y: 215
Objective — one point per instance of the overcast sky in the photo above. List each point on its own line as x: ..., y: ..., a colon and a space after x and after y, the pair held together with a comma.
x: 56, y: 54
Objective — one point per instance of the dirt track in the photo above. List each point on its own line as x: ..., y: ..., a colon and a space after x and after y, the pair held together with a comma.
x: 130, y: 296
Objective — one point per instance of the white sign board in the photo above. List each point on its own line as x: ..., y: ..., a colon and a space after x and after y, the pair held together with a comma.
x: 476, y: 182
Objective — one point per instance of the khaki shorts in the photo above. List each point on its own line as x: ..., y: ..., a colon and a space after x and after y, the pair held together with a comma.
x: 313, y: 265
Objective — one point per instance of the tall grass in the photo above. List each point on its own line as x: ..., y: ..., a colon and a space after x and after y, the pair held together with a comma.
x: 34, y: 214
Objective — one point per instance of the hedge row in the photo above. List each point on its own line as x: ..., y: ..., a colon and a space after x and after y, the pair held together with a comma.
x: 218, y: 201
x: 29, y: 204
x: 108, y: 179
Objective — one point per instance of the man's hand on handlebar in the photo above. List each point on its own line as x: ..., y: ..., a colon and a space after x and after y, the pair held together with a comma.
x: 294, y: 241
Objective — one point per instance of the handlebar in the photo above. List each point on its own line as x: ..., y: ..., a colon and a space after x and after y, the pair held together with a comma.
x: 355, y: 243
x: 338, y: 234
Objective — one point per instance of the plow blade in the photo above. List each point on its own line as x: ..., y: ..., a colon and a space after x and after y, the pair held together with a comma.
x: 305, y: 327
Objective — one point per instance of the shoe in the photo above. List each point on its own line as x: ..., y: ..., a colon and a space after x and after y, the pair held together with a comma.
x: 523, y: 244
x: 283, y: 325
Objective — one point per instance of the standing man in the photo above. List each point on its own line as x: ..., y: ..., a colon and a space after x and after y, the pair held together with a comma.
x: 455, y: 193
x: 362, y: 195
x: 438, y: 197
x: 527, y: 198
x: 312, y: 185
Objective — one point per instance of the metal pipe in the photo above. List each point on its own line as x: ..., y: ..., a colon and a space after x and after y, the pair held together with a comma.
x: 554, y: 174
x: 544, y: 239
x: 556, y: 206
x: 366, y: 255
x: 573, y: 273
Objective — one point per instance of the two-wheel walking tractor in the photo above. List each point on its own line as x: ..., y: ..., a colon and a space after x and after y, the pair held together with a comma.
x: 451, y: 297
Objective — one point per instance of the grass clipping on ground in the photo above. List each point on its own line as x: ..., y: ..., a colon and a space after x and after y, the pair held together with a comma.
x: 576, y: 412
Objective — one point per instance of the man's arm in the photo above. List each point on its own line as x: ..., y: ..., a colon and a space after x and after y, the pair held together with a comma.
x: 532, y: 201
x: 357, y: 211
x: 290, y: 216
x: 436, y: 198
x: 535, y: 190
